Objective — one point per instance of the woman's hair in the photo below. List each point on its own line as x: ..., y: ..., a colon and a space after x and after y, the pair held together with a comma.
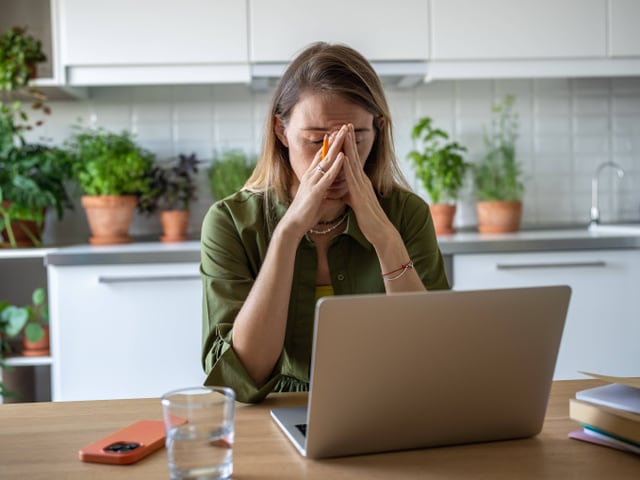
x: 337, y: 70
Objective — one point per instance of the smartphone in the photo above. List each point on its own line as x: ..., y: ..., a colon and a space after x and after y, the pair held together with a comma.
x: 127, y: 445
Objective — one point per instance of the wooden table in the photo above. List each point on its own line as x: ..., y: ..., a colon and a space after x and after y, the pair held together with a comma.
x: 41, y: 441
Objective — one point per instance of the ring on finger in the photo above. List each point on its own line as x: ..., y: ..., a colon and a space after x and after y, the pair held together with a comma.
x: 320, y: 169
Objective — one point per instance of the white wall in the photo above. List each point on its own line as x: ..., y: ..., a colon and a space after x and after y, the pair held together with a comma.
x: 568, y: 127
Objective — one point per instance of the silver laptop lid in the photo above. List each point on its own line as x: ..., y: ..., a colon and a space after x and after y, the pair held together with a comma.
x: 393, y: 372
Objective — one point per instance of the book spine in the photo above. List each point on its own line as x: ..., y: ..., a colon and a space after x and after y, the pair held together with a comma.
x: 595, y: 431
x: 607, y: 421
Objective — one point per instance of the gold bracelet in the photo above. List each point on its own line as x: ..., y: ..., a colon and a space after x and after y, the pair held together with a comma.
x: 403, y: 269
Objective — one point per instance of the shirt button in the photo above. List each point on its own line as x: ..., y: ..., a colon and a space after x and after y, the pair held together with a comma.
x: 340, y: 276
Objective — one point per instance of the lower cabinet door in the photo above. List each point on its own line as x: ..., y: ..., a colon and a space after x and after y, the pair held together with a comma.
x: 124, y: 331
x: 603, y: 323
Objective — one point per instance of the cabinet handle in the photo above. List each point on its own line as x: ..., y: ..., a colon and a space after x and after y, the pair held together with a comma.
x: 517, y: 266
x: 148, y: 278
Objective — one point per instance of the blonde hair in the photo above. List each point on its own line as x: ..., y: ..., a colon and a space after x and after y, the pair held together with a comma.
x: 334, y: 69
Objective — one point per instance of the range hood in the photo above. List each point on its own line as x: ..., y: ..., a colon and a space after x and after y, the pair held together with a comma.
x: 394, y: 74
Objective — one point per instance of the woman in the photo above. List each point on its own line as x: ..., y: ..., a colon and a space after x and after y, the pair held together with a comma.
x: 305, y: 226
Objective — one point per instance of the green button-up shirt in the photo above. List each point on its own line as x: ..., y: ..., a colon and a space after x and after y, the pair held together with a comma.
x: 235, y: 238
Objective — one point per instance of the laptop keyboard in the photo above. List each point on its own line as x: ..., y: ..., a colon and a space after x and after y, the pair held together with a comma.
x: 303, y: 429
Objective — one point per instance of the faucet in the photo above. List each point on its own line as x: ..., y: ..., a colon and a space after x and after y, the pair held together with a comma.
x: 595, y: 211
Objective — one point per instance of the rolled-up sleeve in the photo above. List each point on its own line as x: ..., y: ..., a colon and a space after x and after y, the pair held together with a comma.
x: 228, y: 271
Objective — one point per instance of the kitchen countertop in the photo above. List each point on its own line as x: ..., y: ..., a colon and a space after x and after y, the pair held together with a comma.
x: 536, y: 240
x: 460, y: 243
x: 136, y: 252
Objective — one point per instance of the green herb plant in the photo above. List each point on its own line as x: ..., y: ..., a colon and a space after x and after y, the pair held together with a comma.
x: 228, y: 172
x: 173, y: 186
x: 108, y: 163
x: 439, y: 164
x: 498, y: 175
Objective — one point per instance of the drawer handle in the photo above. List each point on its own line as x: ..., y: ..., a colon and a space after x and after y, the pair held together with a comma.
x: 148, y: 278
x: 518, y: 266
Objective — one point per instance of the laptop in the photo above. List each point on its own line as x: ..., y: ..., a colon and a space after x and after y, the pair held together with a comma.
x: 429, y: 369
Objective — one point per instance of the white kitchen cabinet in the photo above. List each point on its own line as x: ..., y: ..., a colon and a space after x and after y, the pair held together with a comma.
x: 485, y: 39
x: 623, y: 27
x: 603, y: 323
x: 151, y: 42
x: 525, y: 29
x: 381, y: 31
x: 124, y: 331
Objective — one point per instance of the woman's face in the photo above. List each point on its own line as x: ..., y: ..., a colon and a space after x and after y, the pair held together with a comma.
x: 315, y: 115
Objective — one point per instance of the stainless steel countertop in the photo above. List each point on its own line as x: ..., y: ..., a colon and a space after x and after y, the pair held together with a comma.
x: 460, y: 243
x: 130, y: 253
x: 536, y: 240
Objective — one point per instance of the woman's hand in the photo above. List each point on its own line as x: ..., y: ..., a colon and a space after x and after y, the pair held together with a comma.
x: 361, y: 197
x: 307, y: 205
x: 373, y: 221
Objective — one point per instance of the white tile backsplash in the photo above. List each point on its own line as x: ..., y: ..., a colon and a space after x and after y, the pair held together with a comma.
x: 567, y: 128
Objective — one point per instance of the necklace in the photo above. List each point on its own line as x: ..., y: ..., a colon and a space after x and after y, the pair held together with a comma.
x: 331, y: 228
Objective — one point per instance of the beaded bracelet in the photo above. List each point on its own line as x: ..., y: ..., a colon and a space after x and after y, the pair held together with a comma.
x: 403, y: 269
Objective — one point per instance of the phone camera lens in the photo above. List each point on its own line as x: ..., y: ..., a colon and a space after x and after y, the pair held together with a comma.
x: 122, y: 447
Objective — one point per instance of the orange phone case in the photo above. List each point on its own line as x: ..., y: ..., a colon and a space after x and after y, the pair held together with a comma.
x: 127, y: 445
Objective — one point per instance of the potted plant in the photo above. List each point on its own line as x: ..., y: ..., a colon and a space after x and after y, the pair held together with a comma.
x: 173, y: 188
x: 112, y: 172
x: 32, y: 179
x: 498, y: 176
x: 19, y: 55
x: 229, y: 171
x: 441, y: 168
x: 31, y: 321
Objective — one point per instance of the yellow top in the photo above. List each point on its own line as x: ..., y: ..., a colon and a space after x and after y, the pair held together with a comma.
x: 323, y: 291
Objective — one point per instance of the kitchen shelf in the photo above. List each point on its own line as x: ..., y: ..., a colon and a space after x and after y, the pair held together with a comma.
x: 7, y: 253
x: 21, y: 361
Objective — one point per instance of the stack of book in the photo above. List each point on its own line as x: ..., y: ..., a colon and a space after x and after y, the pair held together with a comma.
x: 610, y: 414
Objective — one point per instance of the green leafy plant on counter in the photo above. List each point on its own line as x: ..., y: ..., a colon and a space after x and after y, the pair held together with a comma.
x: 108, y: 163
x: 32, y: 179
x: 229, y: 171
x: 173, y: 186
x: 439, y: 164
x: 498, y: 175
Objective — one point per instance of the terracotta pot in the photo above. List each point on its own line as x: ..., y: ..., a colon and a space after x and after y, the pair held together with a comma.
x: 109, y: 217
x: 36, y: 349
x: 20, y: 229
x: 499, y: 217
x: 175, y: 224
x: 442, y: 214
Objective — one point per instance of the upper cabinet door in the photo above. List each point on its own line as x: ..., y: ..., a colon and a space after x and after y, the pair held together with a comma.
x: 522, y: 29
x: 624, y: 25
x: 125, y: 32
x: 123, y: 42
x: 382, y: 31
